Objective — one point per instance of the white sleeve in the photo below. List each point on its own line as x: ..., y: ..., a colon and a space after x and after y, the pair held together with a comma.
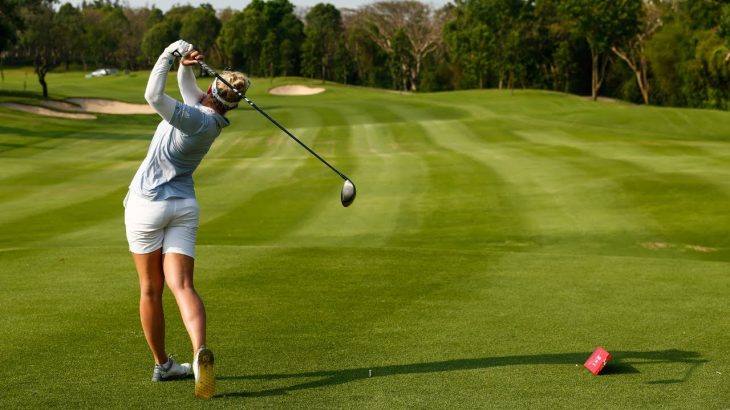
x: 155, y: 92
x: 188, y: 87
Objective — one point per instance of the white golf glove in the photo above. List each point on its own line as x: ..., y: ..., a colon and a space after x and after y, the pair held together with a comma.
x: 179, y: 48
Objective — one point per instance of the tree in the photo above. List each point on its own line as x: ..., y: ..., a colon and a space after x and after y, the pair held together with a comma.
x: 105, y: 26
x: 38, y: 39
x: 419, y: 25
x: 486, y: 36
x: 705, y: 73
x: 512, y: 28
x: 324, y: 39
x: 265, y: 38
x: 130, y: 47
x: 201, y: 27
x: 155, y: 16
x: 370, y: 62
x: 91, y: 23
x: 290, y: 32
x: 69, y: 32
x: 724, y: 28
x: 157, y: 37
x: 10, y: 23
x: 698, y: 15
x: 344, y: 62
x: 470, y: 45
x: 230, y: 40
x: 254, y: 33
x: 225, y: 14
x: 668, y: 53
x: 177, y: 14
x: 712, y: 69
x: 116, y: 29
x: 400, y: 61
x: 269, y: 55
x: 633, y: 53
x: 603, y: 24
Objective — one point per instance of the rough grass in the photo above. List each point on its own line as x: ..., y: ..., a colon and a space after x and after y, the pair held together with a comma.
x: 496, y: 240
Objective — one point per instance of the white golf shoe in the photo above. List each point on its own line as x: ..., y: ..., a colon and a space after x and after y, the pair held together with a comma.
x: 204, y: 375
x: 171, y: 371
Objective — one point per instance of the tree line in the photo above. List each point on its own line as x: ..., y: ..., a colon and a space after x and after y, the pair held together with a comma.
x: 664, y: 52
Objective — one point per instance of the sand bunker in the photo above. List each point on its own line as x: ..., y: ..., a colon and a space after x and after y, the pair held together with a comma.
x: 296, y: 90
x: 48, y: 113
x: 100, y: 106
x: 82, y: 105
x: 688, y: 247
x: 111, y: 107
x: 60, y: 105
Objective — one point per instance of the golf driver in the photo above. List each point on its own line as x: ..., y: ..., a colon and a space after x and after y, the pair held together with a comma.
x: 347, y: 196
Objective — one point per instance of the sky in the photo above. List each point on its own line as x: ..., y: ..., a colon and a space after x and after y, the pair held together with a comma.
x: 165, y: 5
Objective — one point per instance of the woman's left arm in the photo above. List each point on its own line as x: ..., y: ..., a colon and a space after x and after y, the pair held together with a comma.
x: 155, y: 92
x: 186, y: 80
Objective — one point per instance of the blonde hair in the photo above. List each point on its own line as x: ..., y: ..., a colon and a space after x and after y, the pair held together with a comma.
x: 238, y: 80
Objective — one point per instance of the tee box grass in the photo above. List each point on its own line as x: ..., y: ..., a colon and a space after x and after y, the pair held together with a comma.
x: 497, y: 239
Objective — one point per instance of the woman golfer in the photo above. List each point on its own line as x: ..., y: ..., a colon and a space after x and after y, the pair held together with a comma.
x: 161, y: 212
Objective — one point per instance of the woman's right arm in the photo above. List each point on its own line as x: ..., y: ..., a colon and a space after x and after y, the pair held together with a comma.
x: 155, y: 95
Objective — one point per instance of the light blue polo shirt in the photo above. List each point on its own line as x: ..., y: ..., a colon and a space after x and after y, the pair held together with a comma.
x: 175, y: 152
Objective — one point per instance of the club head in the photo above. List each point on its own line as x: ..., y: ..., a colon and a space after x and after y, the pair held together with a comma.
x: 348, y: 193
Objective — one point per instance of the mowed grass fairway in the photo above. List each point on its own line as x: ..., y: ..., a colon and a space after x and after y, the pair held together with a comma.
x: 497, y: 239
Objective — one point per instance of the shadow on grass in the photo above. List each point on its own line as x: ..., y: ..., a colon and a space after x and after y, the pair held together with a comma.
x: 21, y: 94
x: 622, y: 363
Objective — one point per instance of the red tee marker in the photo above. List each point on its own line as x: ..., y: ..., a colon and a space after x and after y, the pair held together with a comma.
x: 597, y: 361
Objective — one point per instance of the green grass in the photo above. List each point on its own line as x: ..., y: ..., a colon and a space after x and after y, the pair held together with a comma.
x: 496, y: 240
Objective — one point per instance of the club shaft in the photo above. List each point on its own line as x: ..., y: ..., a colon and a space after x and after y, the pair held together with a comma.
x: 262, y: 112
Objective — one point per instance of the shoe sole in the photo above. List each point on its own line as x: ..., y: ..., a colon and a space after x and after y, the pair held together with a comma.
x: 205, y: 386
x: 161, y: 379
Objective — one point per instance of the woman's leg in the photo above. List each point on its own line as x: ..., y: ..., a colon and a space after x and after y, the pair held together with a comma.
x: 178, y: 269
x: 151, y: 283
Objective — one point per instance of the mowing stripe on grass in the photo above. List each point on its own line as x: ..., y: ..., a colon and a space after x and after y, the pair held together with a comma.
x: 27, y: 201
x: 383, y: 182
x: 29, y: 230
x: 649, y: 191
x: 261, y: 221
x: 556, y: 201
x: 468, y: 203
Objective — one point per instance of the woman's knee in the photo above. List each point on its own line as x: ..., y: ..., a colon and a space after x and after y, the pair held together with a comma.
x: 181, y: 287
x: 151, y: 278
x: 178, y: 271
x: 149, y: 291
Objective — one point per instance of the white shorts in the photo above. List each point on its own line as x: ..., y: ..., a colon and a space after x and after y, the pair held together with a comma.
x: 170, y: 224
